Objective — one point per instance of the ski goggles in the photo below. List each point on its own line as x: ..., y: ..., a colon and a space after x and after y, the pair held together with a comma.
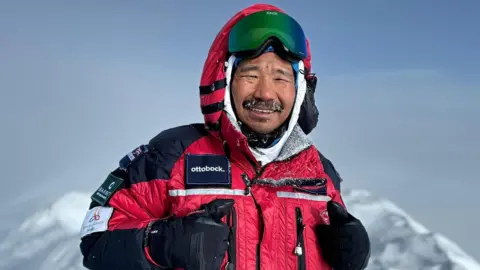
x: 252, y: 33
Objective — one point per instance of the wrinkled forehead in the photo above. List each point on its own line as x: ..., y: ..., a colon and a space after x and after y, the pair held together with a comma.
x: 267, y: 58
x: 269, y: 63
x: 266, y: 68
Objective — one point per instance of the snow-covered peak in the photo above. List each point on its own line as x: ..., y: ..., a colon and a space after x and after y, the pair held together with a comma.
x: 49, y: 239
x: 363, y: 203
x: 400, y: 242
x: 66, y: 213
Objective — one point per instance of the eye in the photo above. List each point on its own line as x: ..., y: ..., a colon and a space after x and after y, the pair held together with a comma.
x: 250, y: 76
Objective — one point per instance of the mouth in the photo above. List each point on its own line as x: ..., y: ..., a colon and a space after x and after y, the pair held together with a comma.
x: 262, y: 107
x: 263, y: 111
x: 260, y: 115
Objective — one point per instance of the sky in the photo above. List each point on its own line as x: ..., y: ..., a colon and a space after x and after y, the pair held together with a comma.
x: 84, y: 82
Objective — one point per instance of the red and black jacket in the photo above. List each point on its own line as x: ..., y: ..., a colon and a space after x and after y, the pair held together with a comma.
x: 276, y: 206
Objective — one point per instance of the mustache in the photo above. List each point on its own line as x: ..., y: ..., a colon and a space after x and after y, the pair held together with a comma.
x: 270, y: 105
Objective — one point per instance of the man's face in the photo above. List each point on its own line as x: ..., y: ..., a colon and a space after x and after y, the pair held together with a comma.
x: 263, y: 91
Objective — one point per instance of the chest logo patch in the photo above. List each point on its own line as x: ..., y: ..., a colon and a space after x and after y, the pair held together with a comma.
x: 203, y: 171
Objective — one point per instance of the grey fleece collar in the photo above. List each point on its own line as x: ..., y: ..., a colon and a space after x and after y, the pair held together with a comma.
x: 296, y: 142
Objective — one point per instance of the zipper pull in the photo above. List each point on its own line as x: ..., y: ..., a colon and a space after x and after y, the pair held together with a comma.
x: 300, y: 227
x: 247, y: 183
x: 298, y: 250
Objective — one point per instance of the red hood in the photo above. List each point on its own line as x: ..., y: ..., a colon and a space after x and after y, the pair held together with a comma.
x: 213, y: 77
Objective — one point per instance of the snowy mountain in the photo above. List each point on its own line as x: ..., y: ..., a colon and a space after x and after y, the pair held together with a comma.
x: 49, y: 238
x: 401, y: 243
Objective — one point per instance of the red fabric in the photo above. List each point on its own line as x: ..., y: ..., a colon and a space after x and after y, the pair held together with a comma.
x: 137, y: 206
x: 146, y: 201
x: 149, y: 257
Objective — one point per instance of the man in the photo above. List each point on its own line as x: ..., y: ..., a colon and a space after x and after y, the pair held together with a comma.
x: 246, y: 189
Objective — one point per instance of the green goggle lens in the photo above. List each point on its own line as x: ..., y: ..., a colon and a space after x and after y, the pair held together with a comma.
x: 252, y: 31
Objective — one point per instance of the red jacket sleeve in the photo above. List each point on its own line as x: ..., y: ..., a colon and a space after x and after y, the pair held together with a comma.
x: 112, y: 234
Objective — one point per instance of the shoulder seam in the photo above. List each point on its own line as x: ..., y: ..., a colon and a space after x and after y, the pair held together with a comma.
x: 331, y: 171
x: 180, y: 133
x: 166, y: 149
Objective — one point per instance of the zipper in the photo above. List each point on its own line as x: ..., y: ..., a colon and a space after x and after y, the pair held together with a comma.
x: 232, y: 243
x: 300, y: 247
x: 249, y: 183
x: 320, y: 188
x: 260, y: 215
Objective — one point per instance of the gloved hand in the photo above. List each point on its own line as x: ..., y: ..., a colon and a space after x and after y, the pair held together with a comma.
x: 196, y: 241
x: 345, y: 243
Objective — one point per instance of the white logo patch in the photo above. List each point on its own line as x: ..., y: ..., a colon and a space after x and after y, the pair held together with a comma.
x: 207, y: 169
x: 96, y: 220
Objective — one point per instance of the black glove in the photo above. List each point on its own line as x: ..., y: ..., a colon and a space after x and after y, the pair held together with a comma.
x: 197, y: 241
x: 345, y: 243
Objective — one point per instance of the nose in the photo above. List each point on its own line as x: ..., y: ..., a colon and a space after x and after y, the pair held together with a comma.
x: 264, y: 89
